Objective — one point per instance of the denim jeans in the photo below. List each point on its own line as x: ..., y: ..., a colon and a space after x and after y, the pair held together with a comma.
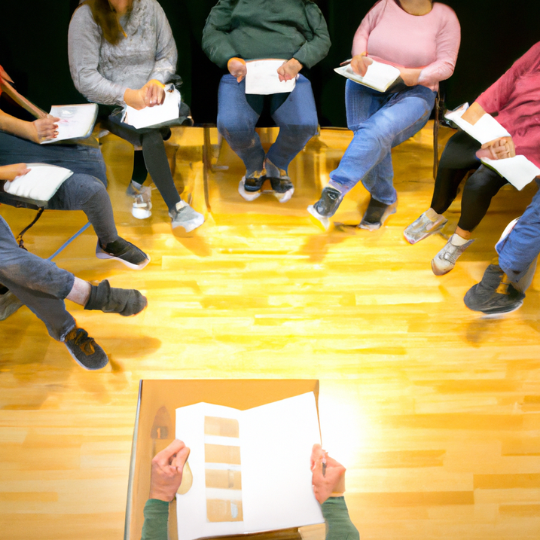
x: 380, y: 121
x: 84, y: 190
x: 37, y: 283
x: 236, y: 121
x: 519, y: 250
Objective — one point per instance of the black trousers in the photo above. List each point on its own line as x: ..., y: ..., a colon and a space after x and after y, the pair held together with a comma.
x: 458, y: 158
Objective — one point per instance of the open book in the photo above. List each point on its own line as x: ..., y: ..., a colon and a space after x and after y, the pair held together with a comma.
x: 378, y: 76
x: 159, y: 114
x: 262, y: 78
x: 40, y: 184
x: 250, y: 469
x: 519, y: 171
x: 76, y: 121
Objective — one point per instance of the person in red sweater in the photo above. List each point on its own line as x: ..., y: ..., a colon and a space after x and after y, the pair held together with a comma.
x: 515, y: 97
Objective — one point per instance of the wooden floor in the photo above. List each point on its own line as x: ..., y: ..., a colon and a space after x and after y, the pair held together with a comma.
x: 434, y: 410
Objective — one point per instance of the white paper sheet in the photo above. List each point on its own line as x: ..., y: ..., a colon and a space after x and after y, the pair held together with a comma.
x: 518, y: 170
x: 40, y: 184
x: 262, y: 78
x: 152, y: 116
x: 76, y: 121
x: 378, y: 76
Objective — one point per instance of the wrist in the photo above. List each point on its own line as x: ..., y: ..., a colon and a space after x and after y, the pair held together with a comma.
x: 160, y: 496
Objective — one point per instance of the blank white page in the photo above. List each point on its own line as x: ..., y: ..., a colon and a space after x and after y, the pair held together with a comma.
x: 262, y: 78
x: 518, y: 170
x: 152, y: 116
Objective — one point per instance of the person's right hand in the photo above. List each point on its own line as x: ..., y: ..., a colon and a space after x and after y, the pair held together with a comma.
x: 45, y: 129
x: 237, y: 68
x: 167, y: 467
x: 10, y: 172
x: 136, y: 98
x: 500, y: 148
x: 360, y: 63
x: 332, y: 481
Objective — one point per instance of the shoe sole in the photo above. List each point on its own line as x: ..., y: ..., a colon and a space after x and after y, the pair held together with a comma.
x: 412, y: 241
x: 100, y: 254
x: 392, y: 209
x: 190, y: 225
x: 139, y: 213
x: 284, y: 197
x: 247, y: 195
x: 320, y: 221
x: 494, y: 315
x: 438, y: 272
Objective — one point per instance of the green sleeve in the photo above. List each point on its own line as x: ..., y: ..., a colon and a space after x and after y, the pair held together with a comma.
x: 156, y: 516
x: 339, y: 524
x: 215, y: 40
x: 315, y: 49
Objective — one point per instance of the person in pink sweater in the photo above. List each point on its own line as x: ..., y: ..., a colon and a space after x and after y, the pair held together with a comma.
x: 515, y: 97
x: 422, y: 40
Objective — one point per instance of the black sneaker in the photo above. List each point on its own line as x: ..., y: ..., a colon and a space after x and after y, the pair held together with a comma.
x: 84, y: 350
x: 282, y: 187
x: 250, y: 187
x: 105, y: 298
x: 492, y: 295
x: 376, y: 214
x: 329, y: 202
x: 123, y: 251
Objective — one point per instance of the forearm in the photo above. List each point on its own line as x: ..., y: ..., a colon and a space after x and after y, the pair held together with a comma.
x: 473, y: 113
x: 314, y: 50
x: 17, y: 127
x: 339, y: 524
x: 156, y: 515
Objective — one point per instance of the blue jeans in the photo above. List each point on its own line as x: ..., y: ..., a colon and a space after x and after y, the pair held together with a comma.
x: 518, y: 251
x: 380, y: 121
x: 236, y: 121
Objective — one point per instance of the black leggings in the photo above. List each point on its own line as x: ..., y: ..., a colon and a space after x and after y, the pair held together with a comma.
x: 458, y: 158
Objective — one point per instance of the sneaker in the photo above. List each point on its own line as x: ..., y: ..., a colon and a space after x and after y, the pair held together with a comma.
x: 282, y: 187
x: 9, y: 304
x: 250, y: 187
x: 376, y: 214
x: 123, y: 251
x: 142, y: 200
x: 492, y: 295
x: 446, y: 259
x: 423, y: 227
x: 184, y: 216
x: 326, y: 206
x: 84, y: 350
x: 126, y: 302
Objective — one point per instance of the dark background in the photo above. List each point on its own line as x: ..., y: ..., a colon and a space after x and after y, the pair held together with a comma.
x: 33, y: 50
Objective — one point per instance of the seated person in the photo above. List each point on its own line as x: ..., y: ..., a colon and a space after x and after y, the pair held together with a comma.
x: 166, y: 477
x: 515, y: 97
x: 121, y: 52
x: 43, y: 287
x: 292, y: 30
x: 84, y: 190
x: 421, y: 39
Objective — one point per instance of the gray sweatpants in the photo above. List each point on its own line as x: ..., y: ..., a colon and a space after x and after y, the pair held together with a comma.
x: 37, y: 283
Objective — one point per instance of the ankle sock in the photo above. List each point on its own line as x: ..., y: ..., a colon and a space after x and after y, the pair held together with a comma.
x: 456, y: 240
x: 432, y: 215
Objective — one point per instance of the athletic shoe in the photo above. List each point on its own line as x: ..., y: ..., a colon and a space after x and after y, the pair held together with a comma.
x: 9, y: 304
x: 492, y: 295
x: 105, y: 298
x: 283, y: 188
x: 184, y: 216
x: 84, y: 350
x: 123, y: 251
x: 250, y: 187
x: 446, y: 259
x: 142, y: 200
x: 423, y: 227
x: 376, y: 214
x: 326, y: 206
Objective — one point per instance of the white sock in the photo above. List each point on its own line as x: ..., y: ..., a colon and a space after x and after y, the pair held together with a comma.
x: 456, y: 240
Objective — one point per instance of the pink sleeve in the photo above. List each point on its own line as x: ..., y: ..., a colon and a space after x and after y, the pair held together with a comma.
x: 448, y: 40
x: 496, y: 96
x: 369, y: 22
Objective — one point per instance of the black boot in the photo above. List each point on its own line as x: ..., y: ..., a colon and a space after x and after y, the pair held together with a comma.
x: 329, y: 202
x: 126, y: 302
x: 376, y: 214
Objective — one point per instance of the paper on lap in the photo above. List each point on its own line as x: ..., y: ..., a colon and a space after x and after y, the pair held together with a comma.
x: 518, y: 170
x: 40, y: 184
x: 76, y: 121
x: 378, y: 76
x: 262, y: 78
x: 153, y: 116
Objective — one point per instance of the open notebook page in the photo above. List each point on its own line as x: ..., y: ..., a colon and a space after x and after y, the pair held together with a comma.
x: 518, y: 170
x: 40, y: 184
x: 378, y: 76
x: 76, y: 121
x: 262, y: 78
x: 152, y: 116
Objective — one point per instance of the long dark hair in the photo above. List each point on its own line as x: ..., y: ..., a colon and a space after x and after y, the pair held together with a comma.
x: 107, y: 19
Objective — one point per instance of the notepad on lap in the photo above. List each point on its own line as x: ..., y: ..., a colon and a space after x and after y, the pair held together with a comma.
x: 262, y: 78
x: 76, y: 121
x: 518, y: 170
x: 378, y: 76
x: 153, y: 116
x: 250, y: 468
x: 40, y: 184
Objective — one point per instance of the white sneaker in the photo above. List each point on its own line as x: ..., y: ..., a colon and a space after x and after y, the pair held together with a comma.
x: 142, y: 201
x: 446, y: 259
x: 184, y: 216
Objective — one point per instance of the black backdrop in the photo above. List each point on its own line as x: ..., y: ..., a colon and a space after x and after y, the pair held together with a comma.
x: 33, y: 50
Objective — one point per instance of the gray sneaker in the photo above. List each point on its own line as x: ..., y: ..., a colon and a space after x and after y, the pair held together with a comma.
x: 184, y: 216
x: 422, y: 228
x: 446, y: 259
x: 84, y: 350
x: 9, y: 304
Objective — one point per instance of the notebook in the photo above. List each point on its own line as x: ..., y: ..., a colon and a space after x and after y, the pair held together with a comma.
x: 76, y: 121
x: 249, y: 469
x: 378, y: 76
x: 159, y: 114
x: 262, y: 78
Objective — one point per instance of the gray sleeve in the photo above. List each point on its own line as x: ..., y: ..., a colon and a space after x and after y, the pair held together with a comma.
x: 166, y: 53
x: 84, y: 40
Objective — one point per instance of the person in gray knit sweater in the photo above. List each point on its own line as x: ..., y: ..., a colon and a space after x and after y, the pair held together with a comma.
x: 122, y: 52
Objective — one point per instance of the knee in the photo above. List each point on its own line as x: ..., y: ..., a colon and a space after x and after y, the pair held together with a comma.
x: 152, y: 139
x: 480, y: 185
x: 88, y: 187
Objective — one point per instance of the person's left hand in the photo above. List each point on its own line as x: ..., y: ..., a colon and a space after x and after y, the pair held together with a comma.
x: 500, y: 148
x: 289, y: 70
x: 410, y: 75
x: 332, y: 480
x: 155, y: 93
x: 10, y: 172
x: 167, y: 467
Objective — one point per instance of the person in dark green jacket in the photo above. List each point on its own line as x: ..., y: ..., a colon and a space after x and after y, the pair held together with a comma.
x: 328, y: 485
x: 238, y: 31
